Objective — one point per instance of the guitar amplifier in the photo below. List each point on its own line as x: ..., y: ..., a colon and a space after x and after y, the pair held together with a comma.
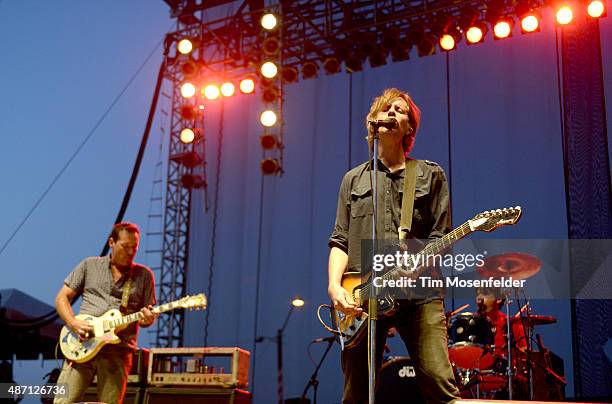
x: 210, y: 366
x: 186, y: 395
x: 138, y: 372
x: 133, y: 395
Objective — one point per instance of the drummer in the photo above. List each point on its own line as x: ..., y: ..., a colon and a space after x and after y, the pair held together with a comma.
x: 490, y: 301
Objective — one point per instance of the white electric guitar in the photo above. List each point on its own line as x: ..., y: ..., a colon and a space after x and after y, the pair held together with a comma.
x: 104, y: 327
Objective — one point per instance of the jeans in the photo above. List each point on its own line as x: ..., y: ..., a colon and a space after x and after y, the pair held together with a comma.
x: 112, y: 365
x: 422, y: 327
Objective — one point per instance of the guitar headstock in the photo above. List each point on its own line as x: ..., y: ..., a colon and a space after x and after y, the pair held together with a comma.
x: 193, y: 302
x: 491, y: 219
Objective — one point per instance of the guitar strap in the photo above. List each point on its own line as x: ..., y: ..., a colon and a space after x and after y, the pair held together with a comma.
x: 126, y: 290
x: 410, y: 174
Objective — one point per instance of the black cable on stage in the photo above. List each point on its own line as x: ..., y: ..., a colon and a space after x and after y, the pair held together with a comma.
x: 261, y: 200
x: 450, y: 162
x: 52, y: 316
x: 213, y: 242
x: 79, y: 148
x: 141, y: 150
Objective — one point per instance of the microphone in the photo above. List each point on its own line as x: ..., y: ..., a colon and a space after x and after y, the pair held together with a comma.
x: 389, y: 123
x: 326, y: 339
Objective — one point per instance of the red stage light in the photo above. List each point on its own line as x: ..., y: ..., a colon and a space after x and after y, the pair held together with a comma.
x: 211, y: 92
x: 270, y: 166
x: 502, y: 29
x: 564, y: 15
x: 247, y: 86
x: 187, y: 135
x: 596, y: 9
x: 268, y: 141
x: 530, y: 23
x: 474, y: 35
x: 447, y: 42
x: 228, y: 89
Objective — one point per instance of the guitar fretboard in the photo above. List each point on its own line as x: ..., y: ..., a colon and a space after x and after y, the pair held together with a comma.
x: 130, y: 318
x: 434, y: 248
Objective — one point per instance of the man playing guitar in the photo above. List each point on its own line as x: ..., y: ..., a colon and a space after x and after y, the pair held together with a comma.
x: 420, y: 322
x: 110, y: 282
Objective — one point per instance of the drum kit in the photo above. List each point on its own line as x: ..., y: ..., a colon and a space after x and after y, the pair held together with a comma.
x: 483, y: 370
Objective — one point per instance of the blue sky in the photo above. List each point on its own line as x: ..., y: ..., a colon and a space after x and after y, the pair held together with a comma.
x: 63, y: 64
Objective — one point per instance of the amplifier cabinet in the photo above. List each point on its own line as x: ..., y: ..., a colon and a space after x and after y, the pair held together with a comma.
x: 133, y: 395
x: 138, y: 372
x: 215, y: 367
x: 185, y: 395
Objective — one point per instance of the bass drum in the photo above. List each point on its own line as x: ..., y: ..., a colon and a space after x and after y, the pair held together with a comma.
x: 397, y: 383
x: 470, y: 341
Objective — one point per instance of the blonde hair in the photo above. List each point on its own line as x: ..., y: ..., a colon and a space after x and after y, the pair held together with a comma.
x: 414, y: 115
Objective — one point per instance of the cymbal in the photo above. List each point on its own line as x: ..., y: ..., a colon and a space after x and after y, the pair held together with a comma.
x: 534, y: 319
x: 517, y: 265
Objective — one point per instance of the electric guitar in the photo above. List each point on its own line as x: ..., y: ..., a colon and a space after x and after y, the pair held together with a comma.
x: 352, y: 328
x: 104, y: 327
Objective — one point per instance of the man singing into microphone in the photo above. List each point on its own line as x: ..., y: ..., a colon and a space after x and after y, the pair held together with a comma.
x: 420, y: 322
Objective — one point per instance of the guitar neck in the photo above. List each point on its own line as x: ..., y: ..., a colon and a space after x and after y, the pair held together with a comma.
x: 448, y: 240
x: 130, y: 318
x: 439, y: 245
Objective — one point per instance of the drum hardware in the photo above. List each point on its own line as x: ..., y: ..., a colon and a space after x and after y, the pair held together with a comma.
x: 470, y: 339
x: 518, y: 266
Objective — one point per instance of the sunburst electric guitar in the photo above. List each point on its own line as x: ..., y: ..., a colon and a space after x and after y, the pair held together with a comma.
x: 352, y: 328
x: 81, y: 350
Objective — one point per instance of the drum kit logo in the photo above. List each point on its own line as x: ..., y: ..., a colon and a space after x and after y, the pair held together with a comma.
x: 407, y: 371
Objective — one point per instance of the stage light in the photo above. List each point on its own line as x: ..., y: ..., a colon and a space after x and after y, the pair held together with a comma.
x: 426, y: 45
x: 289, y: 74
x: 270, y: 95
x: 331, y: 65
x: 247, y: 86
x: 270, y: 166
x: 184, y: 46
x: 189, y: 68
x: 354, y: 63
x: 271, y: 46
x: 268, y: 141
x: 188, y: 112
x: 564, y: 15
x: 189, y: 159
x: 475, y: 34
x: 268, y: 118
x: 297, y: 302
x: 228, y: 89
x: 596, y: 9
x: 269, y: 21
x: 188, y: 90
x: 309, y: 70
x: 530, y: 23
x: 378, y: 57
x: 191, y: 181
x: 187, y: 135
x: 269, y: 70
x: 447, y: 42
x: 211, y: 92
x: 502, y: 29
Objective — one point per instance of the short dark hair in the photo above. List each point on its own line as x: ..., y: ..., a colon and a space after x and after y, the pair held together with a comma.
x: 127, y: 226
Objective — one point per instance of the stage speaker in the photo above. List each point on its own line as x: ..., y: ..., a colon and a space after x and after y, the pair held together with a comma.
x: 545, y: 385
x: 163, y: 395
x: 133, y: 395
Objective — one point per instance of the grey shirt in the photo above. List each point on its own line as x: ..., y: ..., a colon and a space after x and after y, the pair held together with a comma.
x: 93, y: 280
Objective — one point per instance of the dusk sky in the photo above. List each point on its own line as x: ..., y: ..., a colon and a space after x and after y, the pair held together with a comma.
x: 64, y: 64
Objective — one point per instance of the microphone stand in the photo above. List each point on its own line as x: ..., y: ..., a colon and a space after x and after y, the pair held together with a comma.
x: 372, y: 300
x: 314, y: 382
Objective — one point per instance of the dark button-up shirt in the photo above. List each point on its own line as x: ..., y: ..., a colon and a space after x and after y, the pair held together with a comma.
x: 93, y: 280
x: 431, y: 214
